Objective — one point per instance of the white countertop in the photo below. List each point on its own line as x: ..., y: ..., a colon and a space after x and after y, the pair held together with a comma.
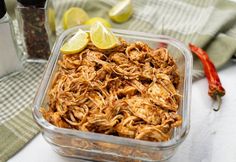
x: 212, y: 136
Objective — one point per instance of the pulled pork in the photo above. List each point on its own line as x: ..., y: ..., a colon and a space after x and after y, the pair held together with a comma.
x: 128, y: 91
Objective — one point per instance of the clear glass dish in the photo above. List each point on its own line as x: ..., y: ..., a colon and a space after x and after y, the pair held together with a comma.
x: 100, y: 147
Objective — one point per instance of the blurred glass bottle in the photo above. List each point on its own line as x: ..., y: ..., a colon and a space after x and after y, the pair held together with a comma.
x: 9, y: 53
x: 36, y: 19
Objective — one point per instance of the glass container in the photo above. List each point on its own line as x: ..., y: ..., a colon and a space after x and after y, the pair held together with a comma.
x: 10, y: 63
x: 100, y: 147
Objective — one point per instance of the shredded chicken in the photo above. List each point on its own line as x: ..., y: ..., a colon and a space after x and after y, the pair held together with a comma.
x: 129, y: 91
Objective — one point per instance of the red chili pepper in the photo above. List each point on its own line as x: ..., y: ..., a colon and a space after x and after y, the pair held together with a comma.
x: 216, y: 91
x: 162, y: 45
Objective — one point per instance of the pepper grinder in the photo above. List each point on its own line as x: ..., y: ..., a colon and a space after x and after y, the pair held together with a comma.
x: 36, y: 19
x: 9, y: 53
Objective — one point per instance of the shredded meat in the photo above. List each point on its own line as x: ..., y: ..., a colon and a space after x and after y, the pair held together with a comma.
x: 129, y: 91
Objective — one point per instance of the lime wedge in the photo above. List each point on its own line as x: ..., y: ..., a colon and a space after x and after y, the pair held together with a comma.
x: 122, y: 11
x: 102, y: 37
x: 76, y: 43
x: 74, y: 16
x: 51, y: 19
x: 98, y: 19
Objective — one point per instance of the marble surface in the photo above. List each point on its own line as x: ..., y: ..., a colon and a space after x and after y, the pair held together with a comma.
x: 211, y: 137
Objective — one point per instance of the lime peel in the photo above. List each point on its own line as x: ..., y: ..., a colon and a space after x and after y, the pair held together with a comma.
x: 102, y: 37
x: 98, y: 19
x: 76, y: 44
x: 74, y: 16
x: 122, y: 11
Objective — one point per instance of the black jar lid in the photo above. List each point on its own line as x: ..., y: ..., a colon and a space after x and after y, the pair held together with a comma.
x: 37, y: 3
x: 3, y: 9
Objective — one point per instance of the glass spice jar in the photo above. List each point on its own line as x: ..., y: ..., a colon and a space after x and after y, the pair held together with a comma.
x: 36, y: 19
x: 9, y: 53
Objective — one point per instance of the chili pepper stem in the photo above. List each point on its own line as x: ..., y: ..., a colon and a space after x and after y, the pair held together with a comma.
x: 219, y: 100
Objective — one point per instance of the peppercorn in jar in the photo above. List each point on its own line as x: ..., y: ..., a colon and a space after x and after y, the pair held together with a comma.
x: 37, y: 27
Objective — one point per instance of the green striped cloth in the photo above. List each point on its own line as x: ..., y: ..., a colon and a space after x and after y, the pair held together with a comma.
x: 210, y: 24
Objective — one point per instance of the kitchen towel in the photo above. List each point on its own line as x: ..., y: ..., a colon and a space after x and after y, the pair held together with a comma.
x: 210, y: 24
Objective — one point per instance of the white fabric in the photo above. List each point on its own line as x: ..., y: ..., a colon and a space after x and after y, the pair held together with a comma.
x: 211, y: 137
